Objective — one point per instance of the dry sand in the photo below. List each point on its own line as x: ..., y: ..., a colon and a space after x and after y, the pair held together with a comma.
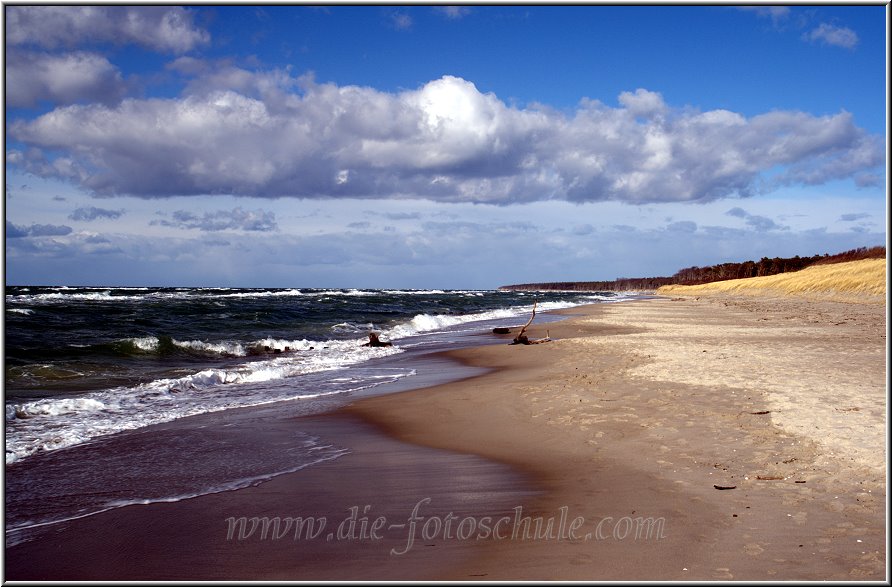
x: 641, y: 409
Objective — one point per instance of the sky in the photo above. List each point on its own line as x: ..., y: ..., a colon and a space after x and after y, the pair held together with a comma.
x: 424, y: 146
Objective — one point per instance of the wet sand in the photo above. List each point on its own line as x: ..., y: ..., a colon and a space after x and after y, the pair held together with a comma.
x: 193, y: 539
x: 617, y: 432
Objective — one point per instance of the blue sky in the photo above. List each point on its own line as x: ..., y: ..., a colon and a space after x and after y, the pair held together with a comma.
x: 436, y: 147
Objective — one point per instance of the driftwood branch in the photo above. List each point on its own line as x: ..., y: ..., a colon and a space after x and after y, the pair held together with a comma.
x: 530, y: 321
x: 375, y: 341
x: 522, y: 338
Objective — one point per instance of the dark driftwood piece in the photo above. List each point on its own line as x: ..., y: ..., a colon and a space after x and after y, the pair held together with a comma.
x: 375, y: 341
x: 522, y: 338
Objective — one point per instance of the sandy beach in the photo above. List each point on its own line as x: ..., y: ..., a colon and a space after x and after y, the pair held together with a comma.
x: 685, y: 438
x: 754, y: 428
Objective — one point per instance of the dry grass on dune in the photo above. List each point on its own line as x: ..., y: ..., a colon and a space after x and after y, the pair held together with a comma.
x: 862, y: 279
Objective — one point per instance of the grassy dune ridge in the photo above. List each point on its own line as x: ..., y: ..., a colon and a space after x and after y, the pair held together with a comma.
x: 856, y: 279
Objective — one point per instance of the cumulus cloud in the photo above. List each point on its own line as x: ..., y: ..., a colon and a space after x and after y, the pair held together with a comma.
x: 268, y: 134
x: 93, y: 213
x: 235, y: 219
x: 274, y: 88
x: 168, y: 29
x: 62, y: 79
x: 643, y: 103
x: 828, y: 34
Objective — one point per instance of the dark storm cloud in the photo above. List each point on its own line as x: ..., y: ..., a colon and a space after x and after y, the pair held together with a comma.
x: 14, y: 231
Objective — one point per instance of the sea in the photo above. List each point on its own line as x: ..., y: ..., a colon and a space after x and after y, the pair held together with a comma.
x: 95, y: 378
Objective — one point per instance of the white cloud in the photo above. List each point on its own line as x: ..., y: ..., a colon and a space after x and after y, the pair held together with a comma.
x: 268, y: 134
x: 205, y: 77
x: 824, y: 33
x: 643, y: 103
x: 161, y: 28
x: 454, y: 12
x: 829, y: 34
x: 777, y: 14
x: 61, y: 79
x: 401, y: 21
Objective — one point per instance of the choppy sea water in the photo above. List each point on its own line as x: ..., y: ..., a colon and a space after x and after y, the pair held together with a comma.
x: 94, y: 374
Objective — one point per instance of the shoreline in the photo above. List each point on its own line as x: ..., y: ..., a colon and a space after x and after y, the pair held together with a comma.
x: 312, y: 524
x: 628, y: 436
x: 587, y: 427
x: 187, y: 538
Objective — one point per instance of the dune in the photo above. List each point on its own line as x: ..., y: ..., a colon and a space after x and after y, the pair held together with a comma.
x: 861, y: 281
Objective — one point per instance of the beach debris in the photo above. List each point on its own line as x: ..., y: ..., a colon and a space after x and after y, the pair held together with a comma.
x: 768, y: 478
x: 722, y: 487
x: 762, y: 413
x: 275, y: 351
x: 522, y: 338
x: 375, y: 341
x: 501, y: 330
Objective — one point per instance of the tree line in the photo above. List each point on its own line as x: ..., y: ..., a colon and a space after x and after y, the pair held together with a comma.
x: 697, y: 275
